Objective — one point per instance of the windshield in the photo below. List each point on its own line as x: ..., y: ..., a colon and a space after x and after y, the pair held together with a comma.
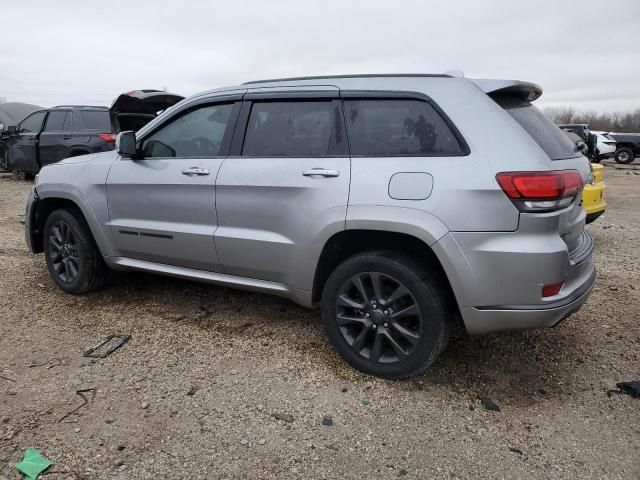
x: 545, y: 133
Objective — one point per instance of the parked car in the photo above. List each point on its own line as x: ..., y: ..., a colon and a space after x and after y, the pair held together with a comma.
x: 49, y: 135
x: 589, y: 138
x: 593, y: 195
x: 396, y: 203
x: 627, y: 146
x: 605, y: 146
x: 11, y: 113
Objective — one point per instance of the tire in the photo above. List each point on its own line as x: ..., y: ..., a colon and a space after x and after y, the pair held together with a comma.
x: 76, y: 265
x: 624, y: 155
x: 418, y: 321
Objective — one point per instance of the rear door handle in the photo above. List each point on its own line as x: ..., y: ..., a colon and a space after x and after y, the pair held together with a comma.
x: 321, y: 172
x: 66, y: 137
x: 196, y: 171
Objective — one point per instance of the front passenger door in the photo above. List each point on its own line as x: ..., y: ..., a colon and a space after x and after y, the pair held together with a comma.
x: 54, y: 141
x: 162, y: 206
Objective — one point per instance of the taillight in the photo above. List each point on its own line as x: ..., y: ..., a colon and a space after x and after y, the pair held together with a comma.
x: 108, y: 137
x: 541, y: 191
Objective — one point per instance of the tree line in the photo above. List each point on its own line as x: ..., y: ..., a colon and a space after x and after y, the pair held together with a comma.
x: 621, y: 122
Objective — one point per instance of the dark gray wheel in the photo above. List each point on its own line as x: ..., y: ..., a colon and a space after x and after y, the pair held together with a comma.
x: 73, y: 259
x: 624, y: 155
x: 386, y: 314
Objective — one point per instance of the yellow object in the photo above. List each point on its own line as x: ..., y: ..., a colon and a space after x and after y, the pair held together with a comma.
x: 593, y: 195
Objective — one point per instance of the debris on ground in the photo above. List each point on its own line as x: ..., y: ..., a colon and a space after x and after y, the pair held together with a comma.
x: 192, y: 391
x: 115, y: 341
x: 285, y: 417
x: 630, y: 388
x: 327, y: 421
x: 489, y: 404
x: 33, y: 464
x: 85, y: 401
x: 516, y: 450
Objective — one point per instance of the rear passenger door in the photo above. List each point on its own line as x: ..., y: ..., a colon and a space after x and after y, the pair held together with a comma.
x: 284, y: 189
x: 54, y: 140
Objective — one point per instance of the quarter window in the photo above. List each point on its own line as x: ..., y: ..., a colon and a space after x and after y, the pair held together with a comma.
x: 198, y: 133
x: 32, y: 124
x: 55, y: 120
x: 292, y: 129
x: 396, y: 127
x: 96, y: 120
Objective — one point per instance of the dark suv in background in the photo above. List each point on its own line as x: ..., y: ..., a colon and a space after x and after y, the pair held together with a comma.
x: 50, y: 135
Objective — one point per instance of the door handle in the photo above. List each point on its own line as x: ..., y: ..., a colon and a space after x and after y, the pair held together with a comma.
x: 66, y: 137
x: 321, y: 172
x: 196, y: 171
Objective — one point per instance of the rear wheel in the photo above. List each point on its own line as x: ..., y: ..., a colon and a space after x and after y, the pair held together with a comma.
x: 73, y: 258
x: 624, y: 155
x: 386, y: 314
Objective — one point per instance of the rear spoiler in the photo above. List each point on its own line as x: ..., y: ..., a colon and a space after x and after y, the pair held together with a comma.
x: 523, y: 90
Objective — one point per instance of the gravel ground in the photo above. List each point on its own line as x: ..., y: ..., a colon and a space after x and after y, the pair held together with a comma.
x: 217, y: 383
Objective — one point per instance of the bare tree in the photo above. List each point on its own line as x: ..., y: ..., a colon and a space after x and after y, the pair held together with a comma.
x: 622, y: 122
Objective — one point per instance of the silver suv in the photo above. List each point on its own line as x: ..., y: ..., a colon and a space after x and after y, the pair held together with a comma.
x: 397, y: 203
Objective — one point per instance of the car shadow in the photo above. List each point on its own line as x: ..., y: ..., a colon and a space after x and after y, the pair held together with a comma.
x: 517, y: 368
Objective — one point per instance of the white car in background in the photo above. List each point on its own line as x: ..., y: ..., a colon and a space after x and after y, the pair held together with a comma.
x: 605, y: 146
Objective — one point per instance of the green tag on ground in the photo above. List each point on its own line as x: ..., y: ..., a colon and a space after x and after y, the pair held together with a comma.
x: 33, y: 464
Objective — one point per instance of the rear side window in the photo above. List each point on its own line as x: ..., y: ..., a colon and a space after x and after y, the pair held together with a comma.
x: 55, y: 121
x: 95, y: 120
x: 546, y: 134
x: 292, y: 129
x: 396, y: 127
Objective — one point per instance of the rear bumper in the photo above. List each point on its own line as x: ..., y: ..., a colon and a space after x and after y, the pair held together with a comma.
x: 497, y: 277
x: 484, y: 320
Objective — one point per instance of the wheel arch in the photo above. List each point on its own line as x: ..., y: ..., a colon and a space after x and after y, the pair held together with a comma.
x: 68, y: 197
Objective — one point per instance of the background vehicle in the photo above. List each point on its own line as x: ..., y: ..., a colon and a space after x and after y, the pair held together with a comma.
x: 586, y: 135
x: 49, y: 135
x: 627, y: 146
x: 348, y: 192
x: 11, y: 113
x: 593, y: 195
x: 605, y: 146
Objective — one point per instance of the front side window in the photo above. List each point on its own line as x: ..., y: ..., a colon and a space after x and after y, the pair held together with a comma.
x: 55, y: 121
x: 396, y: 127
x: 292, y: 129
x: 32, y: 124
x: 198, y: 133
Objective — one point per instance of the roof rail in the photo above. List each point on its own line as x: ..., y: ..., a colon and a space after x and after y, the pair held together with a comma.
x: 80, y: 106
x: 361, y: 75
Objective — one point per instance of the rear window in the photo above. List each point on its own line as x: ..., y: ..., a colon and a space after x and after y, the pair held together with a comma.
x: 544, y: 132
x: 95, y: 120
x: 55, y: 121
x: 396, y: 127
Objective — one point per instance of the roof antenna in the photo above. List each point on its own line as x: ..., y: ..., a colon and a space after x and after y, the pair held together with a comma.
x: 455, y: 73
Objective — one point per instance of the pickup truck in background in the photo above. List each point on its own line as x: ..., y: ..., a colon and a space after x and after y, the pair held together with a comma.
x: 627, y: 146
x: 49, y: 135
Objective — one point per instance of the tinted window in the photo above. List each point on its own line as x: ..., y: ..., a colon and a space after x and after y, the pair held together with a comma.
x: 198, y: 133
x: 33, y: 123
x: 292, y: 129
x: 94, y: 120
x: 545, y: 133
x: 68, y: 122
x: 55, y: 121
x: 398, y: 127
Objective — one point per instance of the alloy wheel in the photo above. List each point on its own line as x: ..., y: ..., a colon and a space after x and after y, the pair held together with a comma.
x: 63, y: 252
x: 379, y: 317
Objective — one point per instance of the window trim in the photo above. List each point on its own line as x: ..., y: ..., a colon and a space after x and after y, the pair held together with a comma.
x: 341, y: 149
x: 233, y: 100
x: 405, y: 95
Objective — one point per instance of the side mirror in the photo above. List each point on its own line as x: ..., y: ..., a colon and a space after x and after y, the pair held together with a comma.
x: 582, y: 148
x: 12, y: 130
x: 126, y: 144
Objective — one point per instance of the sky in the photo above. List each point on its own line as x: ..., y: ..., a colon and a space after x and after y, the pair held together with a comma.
x: 585, y: 54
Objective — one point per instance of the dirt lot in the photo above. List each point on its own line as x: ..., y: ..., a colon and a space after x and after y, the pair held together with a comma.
x: 196, y: 392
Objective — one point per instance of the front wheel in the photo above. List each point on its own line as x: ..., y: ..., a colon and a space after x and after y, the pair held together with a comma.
x: 386, y: 314
x: 73, y: 258
x: 624, y: 155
